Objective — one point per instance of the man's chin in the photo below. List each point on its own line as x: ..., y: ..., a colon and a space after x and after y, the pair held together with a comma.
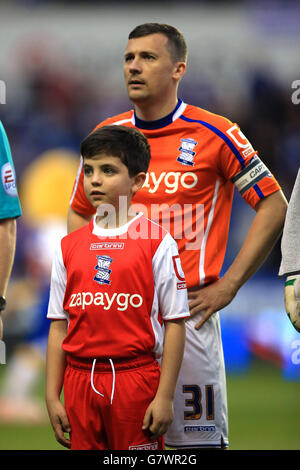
x: 137, y: 96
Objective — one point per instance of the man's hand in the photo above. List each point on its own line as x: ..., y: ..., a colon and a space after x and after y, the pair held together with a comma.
x: 158, y: 417
x: 292, y: 300
x: 59, y: 422
x: 210, y: 299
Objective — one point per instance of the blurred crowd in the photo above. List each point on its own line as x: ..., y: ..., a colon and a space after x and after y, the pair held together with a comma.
x: 58, y: 105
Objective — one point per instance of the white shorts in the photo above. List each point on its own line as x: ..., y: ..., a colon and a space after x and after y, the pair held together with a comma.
x: 200, y: 405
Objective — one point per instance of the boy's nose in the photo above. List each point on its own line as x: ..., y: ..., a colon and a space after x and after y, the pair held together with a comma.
x: 96, y: 180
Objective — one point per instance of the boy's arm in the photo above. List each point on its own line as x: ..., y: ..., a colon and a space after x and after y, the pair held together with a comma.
x: 55, y: 368
x: 159, y: 414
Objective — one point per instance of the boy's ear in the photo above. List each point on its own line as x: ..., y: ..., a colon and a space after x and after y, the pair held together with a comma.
x: 138, y: 181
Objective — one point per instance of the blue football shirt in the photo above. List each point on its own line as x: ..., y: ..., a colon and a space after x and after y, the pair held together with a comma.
x: 9, y: 200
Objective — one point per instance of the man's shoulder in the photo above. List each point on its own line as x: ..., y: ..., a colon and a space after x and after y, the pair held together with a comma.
x: 203, y: 116
x: 120, y: 119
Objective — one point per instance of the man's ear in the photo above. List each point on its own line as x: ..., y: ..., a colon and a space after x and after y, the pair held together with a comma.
x: 179, y: 70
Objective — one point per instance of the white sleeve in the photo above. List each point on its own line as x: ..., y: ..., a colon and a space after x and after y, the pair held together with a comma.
x: 57, y: 287
x: 169, y: 281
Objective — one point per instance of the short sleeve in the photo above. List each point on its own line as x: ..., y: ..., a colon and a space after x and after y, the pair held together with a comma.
x: 9, y: 199
x: 57, y: 287
x: 78, y: 201
x: 241, y: 165
x: 169, y: 281
x: 290, y: 241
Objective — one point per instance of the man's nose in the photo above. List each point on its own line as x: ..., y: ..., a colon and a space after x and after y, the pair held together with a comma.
x: 135, y: 66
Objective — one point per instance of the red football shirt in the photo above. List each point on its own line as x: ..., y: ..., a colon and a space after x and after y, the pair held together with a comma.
x: 116, y: 287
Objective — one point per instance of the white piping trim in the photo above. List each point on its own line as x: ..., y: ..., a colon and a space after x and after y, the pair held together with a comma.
x: 77, y: 180
x: 123, y: 121
x: 179, y: 111
x: 203, y: 245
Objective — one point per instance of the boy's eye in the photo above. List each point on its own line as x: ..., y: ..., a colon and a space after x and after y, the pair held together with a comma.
x: 108, y: 170
x: 87, y: 170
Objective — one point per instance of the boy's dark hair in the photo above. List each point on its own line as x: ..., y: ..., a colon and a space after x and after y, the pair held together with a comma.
x: 176, y: 42
x: 127, y: 143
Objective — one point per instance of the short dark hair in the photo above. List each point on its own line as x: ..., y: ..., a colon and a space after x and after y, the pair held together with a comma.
x: 176, y: 42
x: 127, y: 143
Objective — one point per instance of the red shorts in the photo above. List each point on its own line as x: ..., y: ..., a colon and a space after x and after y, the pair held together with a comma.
x: 106, y: 405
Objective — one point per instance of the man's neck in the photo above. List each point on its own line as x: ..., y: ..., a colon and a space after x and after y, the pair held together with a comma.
x: 147, y: 112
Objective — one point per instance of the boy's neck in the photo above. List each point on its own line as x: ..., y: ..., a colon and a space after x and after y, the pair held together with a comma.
x: 113, y: 221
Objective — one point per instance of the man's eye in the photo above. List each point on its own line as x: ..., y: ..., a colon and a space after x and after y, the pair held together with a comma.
x: 87, y: 171
x: 149, y: 57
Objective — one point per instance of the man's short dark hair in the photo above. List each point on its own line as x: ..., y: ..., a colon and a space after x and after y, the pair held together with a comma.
x: 176, y: 42
x: 127, y: 143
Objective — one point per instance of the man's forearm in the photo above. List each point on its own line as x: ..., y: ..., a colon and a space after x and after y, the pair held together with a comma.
x: 263, y: 234
x: 8, y: 233
x: 76, y: 220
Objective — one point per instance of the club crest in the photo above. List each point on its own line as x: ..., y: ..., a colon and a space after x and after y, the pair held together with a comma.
x: 103, y: 269
x: 187, y: 154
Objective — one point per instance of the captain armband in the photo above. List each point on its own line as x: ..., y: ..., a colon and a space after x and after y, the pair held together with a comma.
x: 251, y: 175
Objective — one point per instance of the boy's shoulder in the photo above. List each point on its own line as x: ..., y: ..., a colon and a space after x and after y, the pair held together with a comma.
x: 75, y: 236
x: 154, y: 232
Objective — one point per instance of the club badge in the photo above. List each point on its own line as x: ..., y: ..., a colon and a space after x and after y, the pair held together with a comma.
x: 103, y: 269
x: 187, y: 154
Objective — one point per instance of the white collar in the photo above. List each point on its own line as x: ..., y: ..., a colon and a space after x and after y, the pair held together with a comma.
x: 112, y: 232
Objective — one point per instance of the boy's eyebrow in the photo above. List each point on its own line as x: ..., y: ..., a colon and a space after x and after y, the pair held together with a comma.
x: 102, y: 164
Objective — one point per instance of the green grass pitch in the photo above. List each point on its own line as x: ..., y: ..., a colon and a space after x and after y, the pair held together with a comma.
x: 264, y: 414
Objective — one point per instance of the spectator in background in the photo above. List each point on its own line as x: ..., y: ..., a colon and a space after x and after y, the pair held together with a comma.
x: 43, y: 223
x: 10, y: 209
x: 290, y: 263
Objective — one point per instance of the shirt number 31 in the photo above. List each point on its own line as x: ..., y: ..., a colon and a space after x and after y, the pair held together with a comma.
x: 195, y: 402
